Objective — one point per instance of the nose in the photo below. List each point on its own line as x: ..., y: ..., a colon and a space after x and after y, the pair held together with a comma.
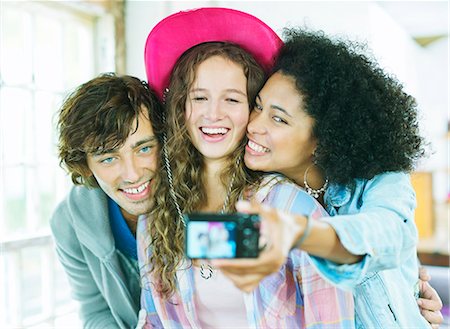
x: 256, y: 124
x: 130, y: 170
x: 214, y: 111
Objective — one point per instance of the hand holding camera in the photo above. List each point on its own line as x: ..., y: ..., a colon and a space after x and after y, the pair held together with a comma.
x: 281, y: 232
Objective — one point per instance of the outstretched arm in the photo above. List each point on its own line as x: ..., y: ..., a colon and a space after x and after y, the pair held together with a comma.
x: 282, y: 231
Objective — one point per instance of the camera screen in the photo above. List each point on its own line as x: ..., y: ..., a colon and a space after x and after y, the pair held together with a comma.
x: 211, y: 239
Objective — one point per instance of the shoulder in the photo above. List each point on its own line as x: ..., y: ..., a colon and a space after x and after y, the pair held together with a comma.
x: 80, y: 203
x: 392, y: 190
x: 282, y: 193
x: 387, y: 185
x: 382, y: 186
x: 391, y: 177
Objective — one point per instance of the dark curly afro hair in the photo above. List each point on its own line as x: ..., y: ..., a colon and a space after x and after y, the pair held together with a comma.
x: 365, y: 124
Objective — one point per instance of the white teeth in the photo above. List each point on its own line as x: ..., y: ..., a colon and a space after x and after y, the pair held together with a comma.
x: 214, y: 131
x: 257, y: 148
x: 137, y: 190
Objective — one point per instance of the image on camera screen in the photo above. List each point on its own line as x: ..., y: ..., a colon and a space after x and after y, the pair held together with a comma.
x: 211, y: 240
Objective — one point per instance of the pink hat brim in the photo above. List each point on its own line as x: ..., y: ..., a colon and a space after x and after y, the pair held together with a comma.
x: 175, y: 34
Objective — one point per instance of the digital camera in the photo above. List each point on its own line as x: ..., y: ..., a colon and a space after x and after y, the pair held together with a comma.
x: 212, y: 235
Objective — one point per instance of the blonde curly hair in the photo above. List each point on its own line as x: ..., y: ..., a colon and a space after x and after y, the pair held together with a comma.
x: 165, y: 226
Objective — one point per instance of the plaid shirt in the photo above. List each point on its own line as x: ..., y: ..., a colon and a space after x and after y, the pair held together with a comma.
x: 295, y: 297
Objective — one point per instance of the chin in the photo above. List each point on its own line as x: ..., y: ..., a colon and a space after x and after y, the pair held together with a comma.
x: 251, y: 164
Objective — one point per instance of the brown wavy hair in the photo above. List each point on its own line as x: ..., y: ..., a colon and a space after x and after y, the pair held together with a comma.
x: 99, y: 114
x: 187, y: 165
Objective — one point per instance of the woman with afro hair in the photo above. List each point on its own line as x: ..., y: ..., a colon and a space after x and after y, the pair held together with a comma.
x: 339, y: 126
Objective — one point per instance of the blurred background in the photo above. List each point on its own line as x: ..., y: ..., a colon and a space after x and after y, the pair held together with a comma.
x: 48, y: 48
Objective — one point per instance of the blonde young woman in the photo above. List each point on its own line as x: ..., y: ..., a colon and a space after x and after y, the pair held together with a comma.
x: 212, y: 86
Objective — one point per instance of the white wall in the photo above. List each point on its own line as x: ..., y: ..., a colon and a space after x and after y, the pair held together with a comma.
x: 362, y: 21
x: 142, y: 16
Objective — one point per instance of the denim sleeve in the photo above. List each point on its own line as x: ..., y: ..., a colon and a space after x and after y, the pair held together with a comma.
x: 382, y: 230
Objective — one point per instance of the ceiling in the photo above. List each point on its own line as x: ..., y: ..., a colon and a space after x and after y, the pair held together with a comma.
x: 421, y: 19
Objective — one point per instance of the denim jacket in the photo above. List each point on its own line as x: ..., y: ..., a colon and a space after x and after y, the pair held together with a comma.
x: 376, y: 219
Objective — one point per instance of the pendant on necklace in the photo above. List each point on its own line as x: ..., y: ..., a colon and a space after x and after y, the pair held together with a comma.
x: 206, y: 271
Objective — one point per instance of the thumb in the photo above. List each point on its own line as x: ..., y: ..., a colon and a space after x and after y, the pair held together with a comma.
x: 423, y: 274
x: 248, y: 207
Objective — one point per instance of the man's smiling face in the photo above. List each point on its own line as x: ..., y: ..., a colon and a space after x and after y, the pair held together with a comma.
x: 126, y: 173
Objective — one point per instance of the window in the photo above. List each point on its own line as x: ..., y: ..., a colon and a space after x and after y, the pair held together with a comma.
x: 47, y: 49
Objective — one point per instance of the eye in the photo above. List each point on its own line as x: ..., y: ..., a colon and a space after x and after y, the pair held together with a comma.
x: 145, y: 149
x: 232, y: 100
x: 107, y: 160
x: 279, y: 120
x: 199, y: 98
x: 257, y: 108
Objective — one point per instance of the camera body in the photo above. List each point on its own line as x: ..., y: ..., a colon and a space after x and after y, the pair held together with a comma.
x: 213, y: 235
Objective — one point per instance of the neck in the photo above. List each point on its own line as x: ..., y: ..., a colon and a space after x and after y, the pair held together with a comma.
x: 214, y: 167
x: 131, y: 220
x: 315, y: 176
x: 215, y: 190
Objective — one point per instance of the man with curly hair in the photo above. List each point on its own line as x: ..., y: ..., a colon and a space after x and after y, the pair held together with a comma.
x: 108, y: 143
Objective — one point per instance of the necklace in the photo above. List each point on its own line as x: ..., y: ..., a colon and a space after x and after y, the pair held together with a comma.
x: 206, y: 270
x: 313, y: 192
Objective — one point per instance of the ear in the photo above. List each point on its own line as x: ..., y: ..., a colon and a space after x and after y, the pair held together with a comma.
x: 314, y: 156
x: 86, y: 173
x: 314, y: 146
x: 89, y: 179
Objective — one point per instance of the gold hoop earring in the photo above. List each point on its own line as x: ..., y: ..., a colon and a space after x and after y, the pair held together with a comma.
x: 314, y: 193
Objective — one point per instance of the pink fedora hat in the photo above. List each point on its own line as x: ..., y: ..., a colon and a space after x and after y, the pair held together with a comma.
x: 175, y: 34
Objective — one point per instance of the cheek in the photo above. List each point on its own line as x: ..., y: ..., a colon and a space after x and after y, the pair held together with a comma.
x: 93, y: 170
x: 153, y: 161
x: 288, y: 149
x: 104, y: 178
x: 190, y: 113
x: 240, y: 120
x: 298, y: 150
x: 190, y: 120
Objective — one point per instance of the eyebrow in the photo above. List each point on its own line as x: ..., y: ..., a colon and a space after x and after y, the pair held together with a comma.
x: 231, y: 90
x: 275, y: 107
x: 135, y: 145
x: 144, y: 141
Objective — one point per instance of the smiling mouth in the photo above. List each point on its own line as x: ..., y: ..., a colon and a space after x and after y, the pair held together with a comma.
x: 214, y: 131
x: 136, y: 190
x: 257, y: 148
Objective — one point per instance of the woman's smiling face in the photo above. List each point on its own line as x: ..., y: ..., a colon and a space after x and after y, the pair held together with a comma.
x: 217, y: 109
x: 280, y: 132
